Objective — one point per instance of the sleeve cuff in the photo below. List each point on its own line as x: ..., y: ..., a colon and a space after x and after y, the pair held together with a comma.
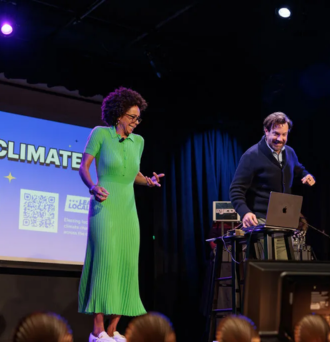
x: 91, y: 152
x: 243, y: 211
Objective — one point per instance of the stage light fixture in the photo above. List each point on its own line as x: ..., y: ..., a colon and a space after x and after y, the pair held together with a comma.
x: 6, y: 29
x: 284, y: 12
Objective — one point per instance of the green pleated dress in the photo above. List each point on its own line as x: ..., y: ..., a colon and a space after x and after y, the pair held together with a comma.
x: 109, y: 282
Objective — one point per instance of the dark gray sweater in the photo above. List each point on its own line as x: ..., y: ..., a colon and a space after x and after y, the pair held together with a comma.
x: 258, y: 173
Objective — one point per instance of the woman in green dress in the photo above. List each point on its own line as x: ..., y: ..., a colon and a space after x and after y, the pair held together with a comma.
x: 109, y: 281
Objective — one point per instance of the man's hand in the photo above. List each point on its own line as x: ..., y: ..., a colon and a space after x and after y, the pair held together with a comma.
x: 309, y: 179
x: 249, y: 220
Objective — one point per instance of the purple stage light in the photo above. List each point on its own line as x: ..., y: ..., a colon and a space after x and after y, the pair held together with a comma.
x: 6, y: 29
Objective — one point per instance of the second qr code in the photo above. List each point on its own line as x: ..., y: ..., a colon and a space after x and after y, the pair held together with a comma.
x: 38, y: 211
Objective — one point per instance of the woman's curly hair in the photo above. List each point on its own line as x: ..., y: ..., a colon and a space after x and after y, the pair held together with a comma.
x: 117, y: 103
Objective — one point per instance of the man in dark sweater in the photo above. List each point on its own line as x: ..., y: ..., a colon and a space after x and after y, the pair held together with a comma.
x: 267, y: 166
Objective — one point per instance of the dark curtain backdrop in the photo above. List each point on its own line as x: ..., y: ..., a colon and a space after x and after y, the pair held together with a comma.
x: 309, y: 139
x: 199, y: 167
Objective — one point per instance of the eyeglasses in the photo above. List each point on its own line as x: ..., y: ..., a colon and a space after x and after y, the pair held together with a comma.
x: 135, y: 118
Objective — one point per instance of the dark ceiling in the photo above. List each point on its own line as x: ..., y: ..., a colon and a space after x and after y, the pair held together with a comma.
x: 202, y: 48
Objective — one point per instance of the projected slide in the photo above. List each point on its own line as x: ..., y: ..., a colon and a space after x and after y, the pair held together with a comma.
x: 43, y: 202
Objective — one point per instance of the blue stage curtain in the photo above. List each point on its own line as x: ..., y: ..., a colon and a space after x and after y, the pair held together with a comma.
x: 200, y: 171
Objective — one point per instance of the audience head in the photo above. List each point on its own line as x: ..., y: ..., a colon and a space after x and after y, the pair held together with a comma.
x: 312, y: 328
x: 236, y: 329
x: 42, y: 327
x: 152, y: 327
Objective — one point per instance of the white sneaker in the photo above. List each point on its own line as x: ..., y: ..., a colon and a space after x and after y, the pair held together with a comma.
x: 118, y: 337
x: 103, y: 337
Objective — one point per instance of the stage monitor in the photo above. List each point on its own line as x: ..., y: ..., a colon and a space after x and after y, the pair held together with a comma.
x: 43, y: 201
x: 264, y: 297
x: 301, y: 294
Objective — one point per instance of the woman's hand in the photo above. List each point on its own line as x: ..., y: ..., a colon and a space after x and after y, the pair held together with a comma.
x: 99, y: 193
x: 154, y: 180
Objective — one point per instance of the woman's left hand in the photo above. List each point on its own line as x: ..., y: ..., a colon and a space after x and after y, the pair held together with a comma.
x: 154, y: 180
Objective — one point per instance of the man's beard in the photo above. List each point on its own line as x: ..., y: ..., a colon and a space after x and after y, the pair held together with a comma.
x: 277, y: 145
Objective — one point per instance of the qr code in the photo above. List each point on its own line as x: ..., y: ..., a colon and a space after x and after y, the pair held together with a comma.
x: 38, y: 211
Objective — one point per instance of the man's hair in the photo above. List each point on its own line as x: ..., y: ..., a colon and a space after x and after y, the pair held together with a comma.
x: 275, y: 119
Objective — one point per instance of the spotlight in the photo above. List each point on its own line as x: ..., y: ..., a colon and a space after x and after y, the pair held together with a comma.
x: 6, y: 29
x: 284, y: 12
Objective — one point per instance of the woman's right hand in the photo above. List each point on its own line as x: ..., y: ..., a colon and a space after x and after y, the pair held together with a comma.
x: 99, y: 193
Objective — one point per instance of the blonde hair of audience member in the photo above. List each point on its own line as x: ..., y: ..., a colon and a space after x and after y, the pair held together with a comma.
x: 151, y: 327
x: 312, y: 328
x: 236, y: 329
x: 42, y: 327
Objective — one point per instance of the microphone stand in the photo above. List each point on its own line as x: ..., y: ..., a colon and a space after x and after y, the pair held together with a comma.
x: 320, y: 231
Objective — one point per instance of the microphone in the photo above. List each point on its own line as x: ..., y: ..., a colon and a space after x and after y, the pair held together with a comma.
x: 121, y: 140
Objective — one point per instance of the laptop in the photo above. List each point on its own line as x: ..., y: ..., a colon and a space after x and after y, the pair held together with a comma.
x: 283, y: 210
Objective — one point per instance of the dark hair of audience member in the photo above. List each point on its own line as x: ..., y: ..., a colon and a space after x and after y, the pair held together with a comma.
x: 236, y: 329
x: 151, y: 327
x: 42, y: 327
x: 312, y: 328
